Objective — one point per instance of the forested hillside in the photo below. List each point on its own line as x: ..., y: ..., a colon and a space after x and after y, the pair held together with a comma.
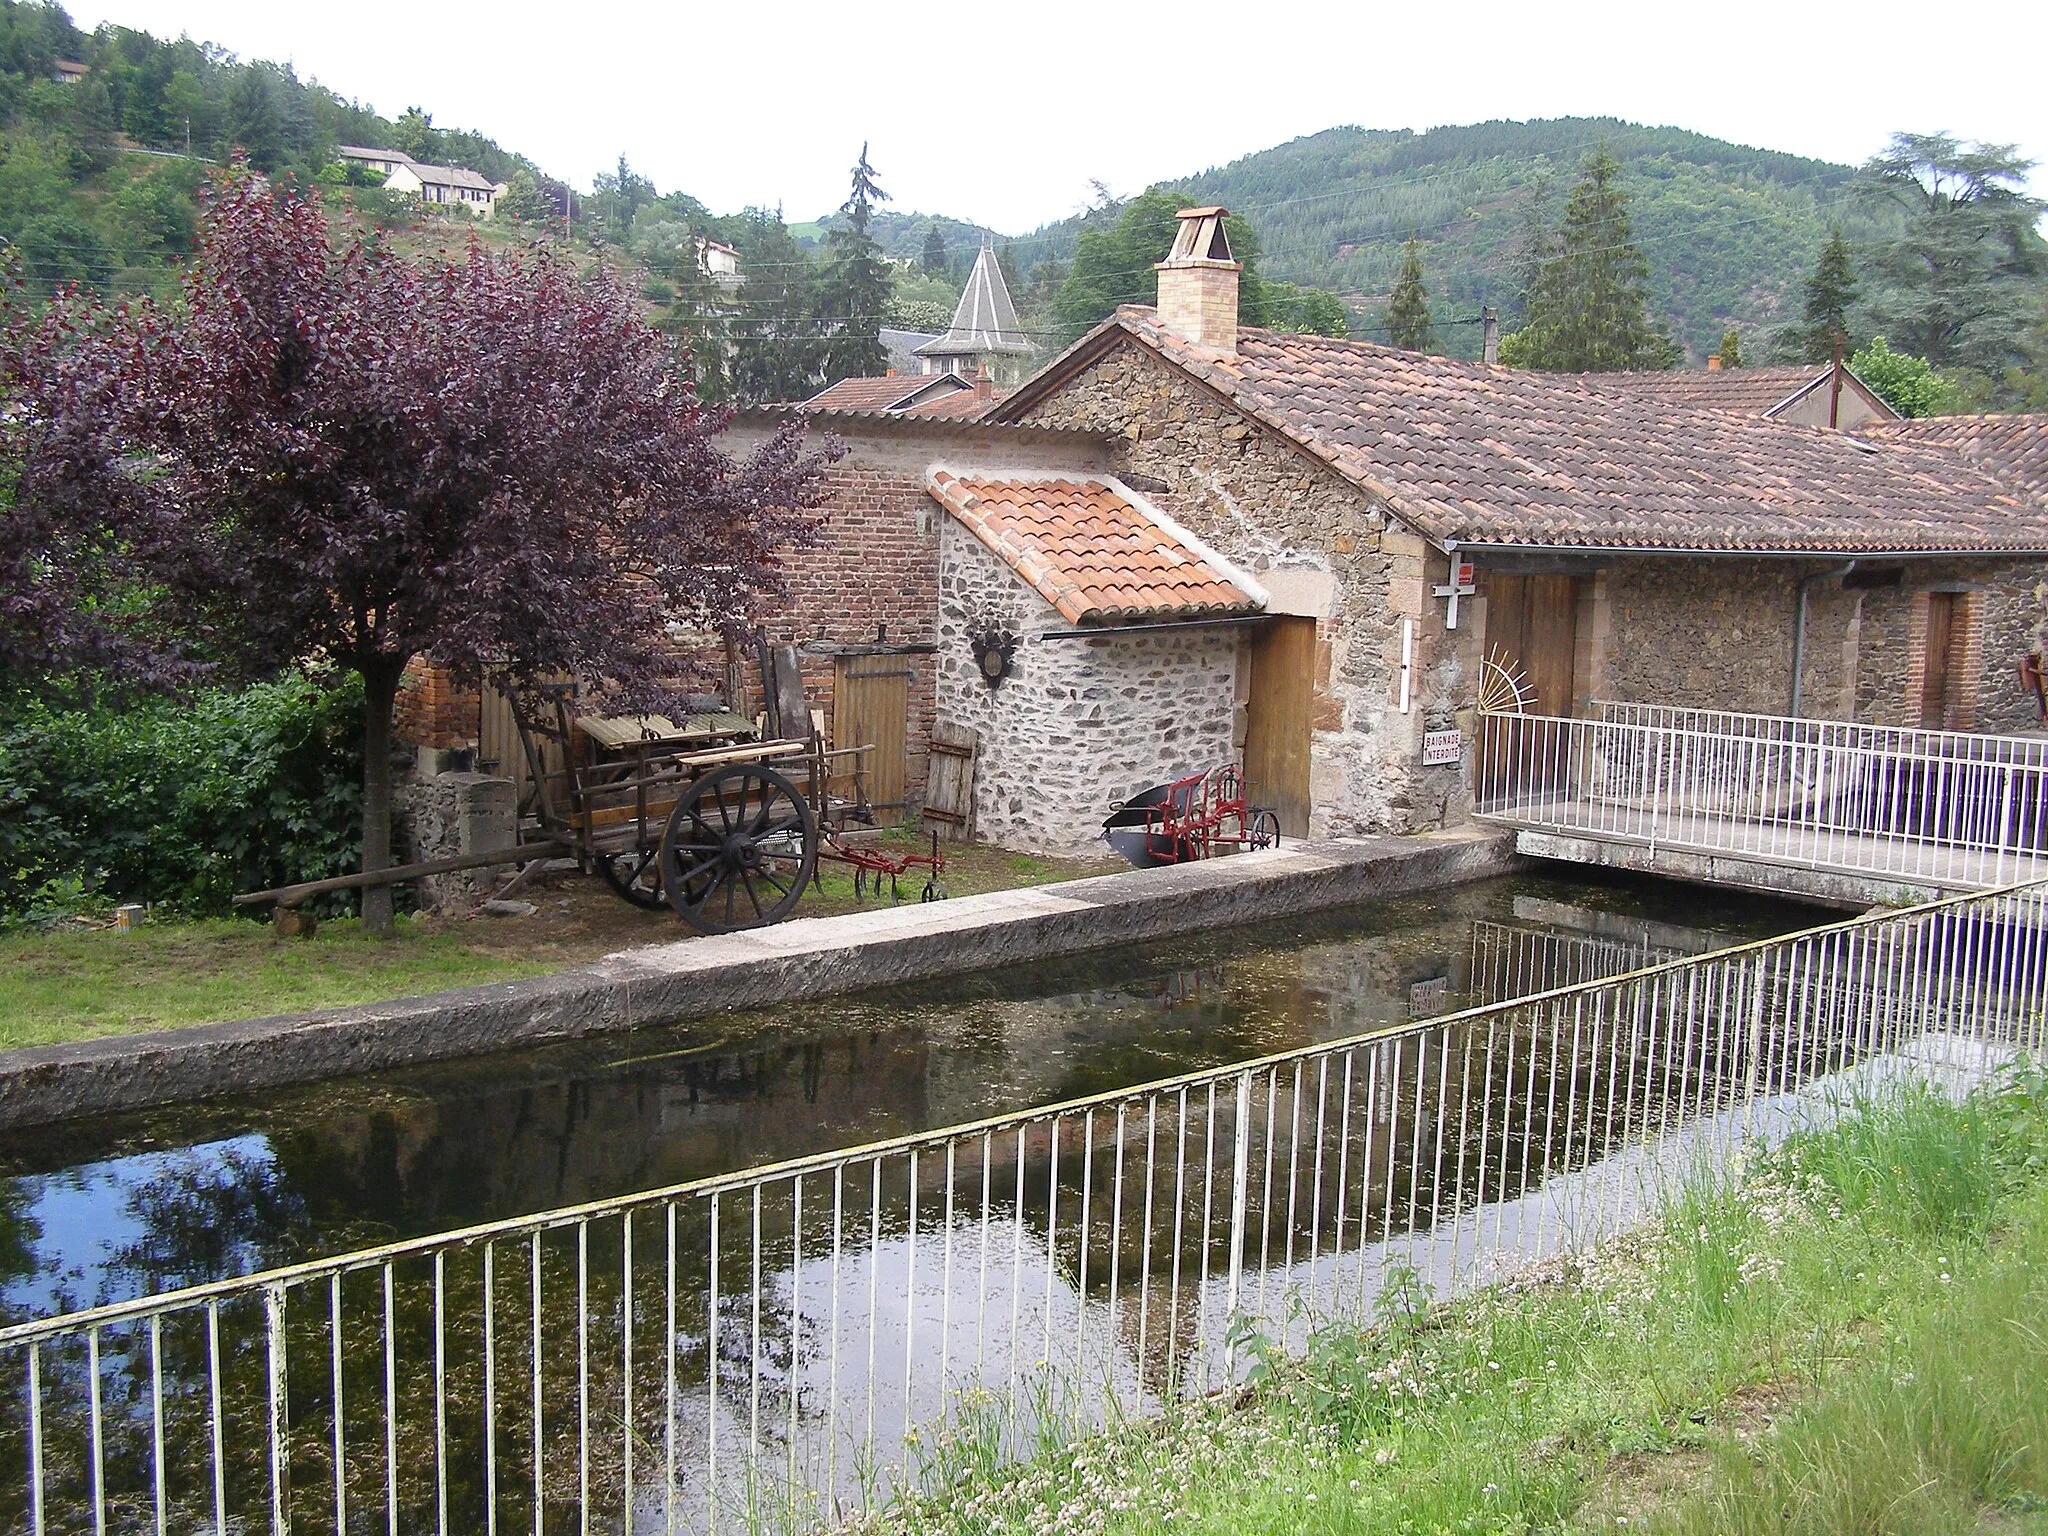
x: 1728, y: 231
x: 98, y: 173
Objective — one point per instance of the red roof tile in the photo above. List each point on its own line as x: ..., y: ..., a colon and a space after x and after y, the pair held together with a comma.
x: 888, y: 393
x: 1485, y: 455
x: 964, y: 405
x: 1094, y: 550
x: 2015, y: 448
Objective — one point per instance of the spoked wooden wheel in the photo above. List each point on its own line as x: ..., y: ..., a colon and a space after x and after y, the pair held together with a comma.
x: 635, y: 873
x: 737, y: 850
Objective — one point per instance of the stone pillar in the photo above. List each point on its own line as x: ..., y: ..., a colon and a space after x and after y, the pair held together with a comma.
x: 456, y: 814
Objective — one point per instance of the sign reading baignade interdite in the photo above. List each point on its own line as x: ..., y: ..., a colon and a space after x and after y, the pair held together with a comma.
x: 1442, y: 748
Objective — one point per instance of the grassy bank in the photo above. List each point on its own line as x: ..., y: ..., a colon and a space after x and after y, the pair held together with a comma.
x: 1849, y: 1335
x: 75, y: 983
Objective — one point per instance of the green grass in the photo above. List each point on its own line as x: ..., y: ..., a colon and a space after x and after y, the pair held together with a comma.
x: 75, y: 985
x: 1850, y: 1335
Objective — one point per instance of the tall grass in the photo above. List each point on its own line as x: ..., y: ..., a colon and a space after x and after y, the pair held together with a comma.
x: 1849, y: 1334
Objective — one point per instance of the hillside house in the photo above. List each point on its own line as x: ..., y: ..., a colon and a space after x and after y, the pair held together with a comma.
x: 378, y: 162
x: 445, y: 186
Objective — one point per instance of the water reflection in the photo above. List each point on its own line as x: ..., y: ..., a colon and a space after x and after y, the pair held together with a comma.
x: 100, y: 1211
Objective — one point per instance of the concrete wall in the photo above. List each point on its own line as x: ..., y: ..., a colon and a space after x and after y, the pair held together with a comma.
x: 1324, y: 549
x: 1078, y: 724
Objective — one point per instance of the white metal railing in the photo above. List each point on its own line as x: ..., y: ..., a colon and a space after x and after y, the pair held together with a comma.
x: 773, y: 1347
x: 1959, y: 810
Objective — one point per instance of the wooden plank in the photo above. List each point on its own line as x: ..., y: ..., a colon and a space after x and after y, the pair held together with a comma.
x: 1279, y: 718
x: 949, y: 788
x: 627, y: 732
x: 871, y: 708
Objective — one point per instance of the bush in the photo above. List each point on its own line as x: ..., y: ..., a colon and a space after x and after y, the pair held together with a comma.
x: 1908, y: 384
x: 179, y: 802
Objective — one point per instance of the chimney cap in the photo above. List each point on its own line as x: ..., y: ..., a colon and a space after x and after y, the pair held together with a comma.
x: 1201, y: 240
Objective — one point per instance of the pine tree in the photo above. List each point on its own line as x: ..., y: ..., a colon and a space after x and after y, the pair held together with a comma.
x: 1829, y: 293
x: 1731, y: 348
x: 856, y: 288
x: 1006, y: 263
x: 934, y: 259
x: 1408, y: 322
x: 1590, y: 308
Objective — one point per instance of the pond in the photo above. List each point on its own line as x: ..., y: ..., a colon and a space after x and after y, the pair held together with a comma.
x: 100, y: 1211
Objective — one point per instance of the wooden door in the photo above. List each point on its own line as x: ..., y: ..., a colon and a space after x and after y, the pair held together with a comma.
x: 1277, y: 719
x: 871, y: 708
x: 1534, y: 620
x: 1944, y: 651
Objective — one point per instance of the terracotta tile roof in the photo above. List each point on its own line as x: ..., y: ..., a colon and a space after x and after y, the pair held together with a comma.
x: 891, y: 392
x: 2015, y: 448
x: 1752, y: 391
x: 1095, y: 549
x: 1747, y: 391
x: 1477, y: 455
x: 963, y: 405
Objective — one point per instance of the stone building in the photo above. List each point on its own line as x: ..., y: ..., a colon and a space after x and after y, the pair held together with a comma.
x: 1185, y: 542
x: 1409, y: 516
x: 1090, y: 643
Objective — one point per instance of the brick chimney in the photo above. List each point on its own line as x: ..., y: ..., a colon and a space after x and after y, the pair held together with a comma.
x: 1198, y: 282
x: 1714, y: 362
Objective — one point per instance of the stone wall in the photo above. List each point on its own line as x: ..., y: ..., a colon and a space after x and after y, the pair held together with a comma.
x: 1325, y: 549
x: 1078, y: 724
x: 1718, y: 634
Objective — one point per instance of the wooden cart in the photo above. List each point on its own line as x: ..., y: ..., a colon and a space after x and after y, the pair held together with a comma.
x: 697, y: 814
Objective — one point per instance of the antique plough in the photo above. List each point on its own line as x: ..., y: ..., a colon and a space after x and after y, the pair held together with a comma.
x: 1198, y: 817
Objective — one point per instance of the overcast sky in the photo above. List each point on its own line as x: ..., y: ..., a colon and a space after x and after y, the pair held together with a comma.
x: 1004, y: 113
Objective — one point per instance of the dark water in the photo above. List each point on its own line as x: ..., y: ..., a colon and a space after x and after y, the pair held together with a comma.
x: 99, y: 1211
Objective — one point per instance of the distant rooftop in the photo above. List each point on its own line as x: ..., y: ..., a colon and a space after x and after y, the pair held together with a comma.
x: 984, y: 321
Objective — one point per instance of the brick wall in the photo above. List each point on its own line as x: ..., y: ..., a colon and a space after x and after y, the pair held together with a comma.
x: 432, y: 711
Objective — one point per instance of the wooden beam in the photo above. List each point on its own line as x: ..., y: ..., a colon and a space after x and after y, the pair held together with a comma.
x: 292, y: 895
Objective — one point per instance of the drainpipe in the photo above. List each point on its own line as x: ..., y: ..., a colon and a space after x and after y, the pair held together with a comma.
x: 1799, y: 630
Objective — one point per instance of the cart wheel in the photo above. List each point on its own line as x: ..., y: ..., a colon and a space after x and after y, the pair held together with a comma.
x: 1264, y: 831
x: 635, y: 873
x: 737, y: 849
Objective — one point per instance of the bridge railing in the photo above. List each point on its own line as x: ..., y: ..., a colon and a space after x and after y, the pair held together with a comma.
x: 790, y: 1345
x: 1950, y: 807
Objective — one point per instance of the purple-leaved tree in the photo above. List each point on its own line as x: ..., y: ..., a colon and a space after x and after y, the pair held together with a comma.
x: 326, y: 451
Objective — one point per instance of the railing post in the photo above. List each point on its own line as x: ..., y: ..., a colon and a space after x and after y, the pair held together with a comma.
x: 1240, y: 1171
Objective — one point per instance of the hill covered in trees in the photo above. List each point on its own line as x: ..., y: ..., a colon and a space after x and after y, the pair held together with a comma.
x: 1729, y: 231
x: 98, y: 172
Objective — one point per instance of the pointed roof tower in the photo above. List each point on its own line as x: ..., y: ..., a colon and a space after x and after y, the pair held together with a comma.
x: 985, y: 321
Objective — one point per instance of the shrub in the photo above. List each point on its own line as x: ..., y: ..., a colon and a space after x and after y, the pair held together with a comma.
x: 178, y: 802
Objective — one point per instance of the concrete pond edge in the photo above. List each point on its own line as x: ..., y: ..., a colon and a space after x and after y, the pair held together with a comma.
x: 665, y: 984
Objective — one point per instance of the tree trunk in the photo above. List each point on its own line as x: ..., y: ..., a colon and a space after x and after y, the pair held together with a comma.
x: 380, y: 690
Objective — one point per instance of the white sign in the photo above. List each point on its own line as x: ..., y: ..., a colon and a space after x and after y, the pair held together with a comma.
x: 1441, y: 748
x: 1428, y: 997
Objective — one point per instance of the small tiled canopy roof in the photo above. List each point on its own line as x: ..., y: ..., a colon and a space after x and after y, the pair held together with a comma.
x: 1473, y: 455
x: 1095, y: 550
x: 1747, y: 391
x: 2012, y: 447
